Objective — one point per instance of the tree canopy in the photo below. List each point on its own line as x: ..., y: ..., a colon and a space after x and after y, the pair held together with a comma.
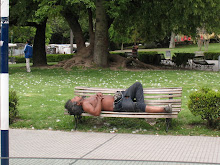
x: 118, y: 20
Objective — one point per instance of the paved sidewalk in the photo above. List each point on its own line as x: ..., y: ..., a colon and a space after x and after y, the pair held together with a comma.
x: 106, y: 146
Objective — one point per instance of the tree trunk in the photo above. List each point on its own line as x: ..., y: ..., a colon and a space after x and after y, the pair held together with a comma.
x: 39, y: 52
x: 200, y: 43
x: 122, y: 46
x: 172, y: 41
x: 91, y: 34
x: 101, y: 36
x: 72, y: 19
x: 206, y: 44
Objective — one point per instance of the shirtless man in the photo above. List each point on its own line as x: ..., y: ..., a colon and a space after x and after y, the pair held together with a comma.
x: 99, y: 102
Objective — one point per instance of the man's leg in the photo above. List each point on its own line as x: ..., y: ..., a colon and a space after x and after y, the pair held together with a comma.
x: 135, y: 91
x: 153, y: 109
x: 28, y: 64
x: 156, y: 109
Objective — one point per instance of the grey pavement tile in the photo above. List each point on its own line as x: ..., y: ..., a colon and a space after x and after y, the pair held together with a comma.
x: 106, y: 148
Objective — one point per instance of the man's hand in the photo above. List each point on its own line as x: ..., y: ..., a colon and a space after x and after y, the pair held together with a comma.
x: 99, y: 95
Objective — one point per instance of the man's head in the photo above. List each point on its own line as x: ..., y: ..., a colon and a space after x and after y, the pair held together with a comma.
x: 28, y: 42
x: 73, y: 107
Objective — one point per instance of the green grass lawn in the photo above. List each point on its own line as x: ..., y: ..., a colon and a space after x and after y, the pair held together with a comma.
x: 213, y: 47
x: 43, y: 93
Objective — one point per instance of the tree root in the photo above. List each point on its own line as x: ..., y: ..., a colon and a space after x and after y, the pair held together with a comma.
x: 115, y: 62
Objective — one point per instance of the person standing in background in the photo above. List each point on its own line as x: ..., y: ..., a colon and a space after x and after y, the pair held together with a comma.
x: 28, y: 51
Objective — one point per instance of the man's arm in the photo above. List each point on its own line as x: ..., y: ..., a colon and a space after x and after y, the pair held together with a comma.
x: 89, y: 108
x: 25, y: 48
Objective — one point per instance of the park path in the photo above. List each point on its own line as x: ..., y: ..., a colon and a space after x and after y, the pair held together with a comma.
x: 94, y: 148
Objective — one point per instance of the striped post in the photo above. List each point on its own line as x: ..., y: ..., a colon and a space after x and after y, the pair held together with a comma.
x: 4, y: 83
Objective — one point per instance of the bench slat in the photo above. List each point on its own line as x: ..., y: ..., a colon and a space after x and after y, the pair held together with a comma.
x: 146, y: 97
x: 162, y: 96
x: 164, y: 101
x: 115, y: 89
x: 132, y: 113
x: 136, y: 116
x: 145, y: 92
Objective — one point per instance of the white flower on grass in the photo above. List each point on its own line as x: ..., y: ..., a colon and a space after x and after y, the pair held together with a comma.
x: 58, y: 120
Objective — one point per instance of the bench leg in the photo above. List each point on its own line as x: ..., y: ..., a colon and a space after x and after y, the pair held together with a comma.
x: 77, y: 119
x: 76, y: 122
x: 168, y: 121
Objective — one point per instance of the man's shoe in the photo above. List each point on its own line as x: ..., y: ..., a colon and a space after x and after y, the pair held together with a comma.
x: 168, y: 108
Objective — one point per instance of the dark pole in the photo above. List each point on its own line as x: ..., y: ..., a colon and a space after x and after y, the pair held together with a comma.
x: 4, y: 82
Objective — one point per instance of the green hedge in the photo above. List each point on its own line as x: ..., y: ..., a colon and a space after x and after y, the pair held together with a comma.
x: 119, y: 53
x: 206, y: 103
x: 13, y: 103
x: 211, y: 55
x: 182, y: 58
x: 147, y: 57
x: 50, y: 58
x: 150, y: 57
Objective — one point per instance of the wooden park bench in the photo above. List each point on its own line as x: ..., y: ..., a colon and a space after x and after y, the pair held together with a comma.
x: 153, y: 97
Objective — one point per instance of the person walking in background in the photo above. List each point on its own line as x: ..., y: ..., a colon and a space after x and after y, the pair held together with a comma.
x: 28, y: 51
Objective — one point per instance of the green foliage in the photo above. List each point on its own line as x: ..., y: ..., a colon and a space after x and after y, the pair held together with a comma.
x: 211, y: 55
x: 50, y: 58
x: 150, y: 57
x: 13, y: 103
x: 182, y: 58
x: 19, y: 34
x: 58, y: 57
x: 206, y: 103
x: 119, y: 53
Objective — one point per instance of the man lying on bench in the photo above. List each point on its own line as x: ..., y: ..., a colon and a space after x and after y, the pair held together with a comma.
x: 130, y: 100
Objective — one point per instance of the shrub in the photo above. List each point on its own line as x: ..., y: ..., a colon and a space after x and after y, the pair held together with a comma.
x: 13, y: 103
x: 206, y: 103
x: 150, y: 57
x: 119, y: 53
x: 58, y: 57
x: 211, y: 55
x: 50, y: 58
x: 182, y: 58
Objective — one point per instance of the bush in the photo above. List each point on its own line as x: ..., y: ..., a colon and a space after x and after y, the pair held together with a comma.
x: 206, y: 103
x: 150, y: 57
x: 50, y: 58
x: 182, y: 58
x: 211, y: 55
x: 119, y: 53
x: 58, y: 57
x: 13, y: 103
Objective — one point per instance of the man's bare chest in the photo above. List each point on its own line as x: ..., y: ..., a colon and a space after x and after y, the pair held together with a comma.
x: 92, y: 100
